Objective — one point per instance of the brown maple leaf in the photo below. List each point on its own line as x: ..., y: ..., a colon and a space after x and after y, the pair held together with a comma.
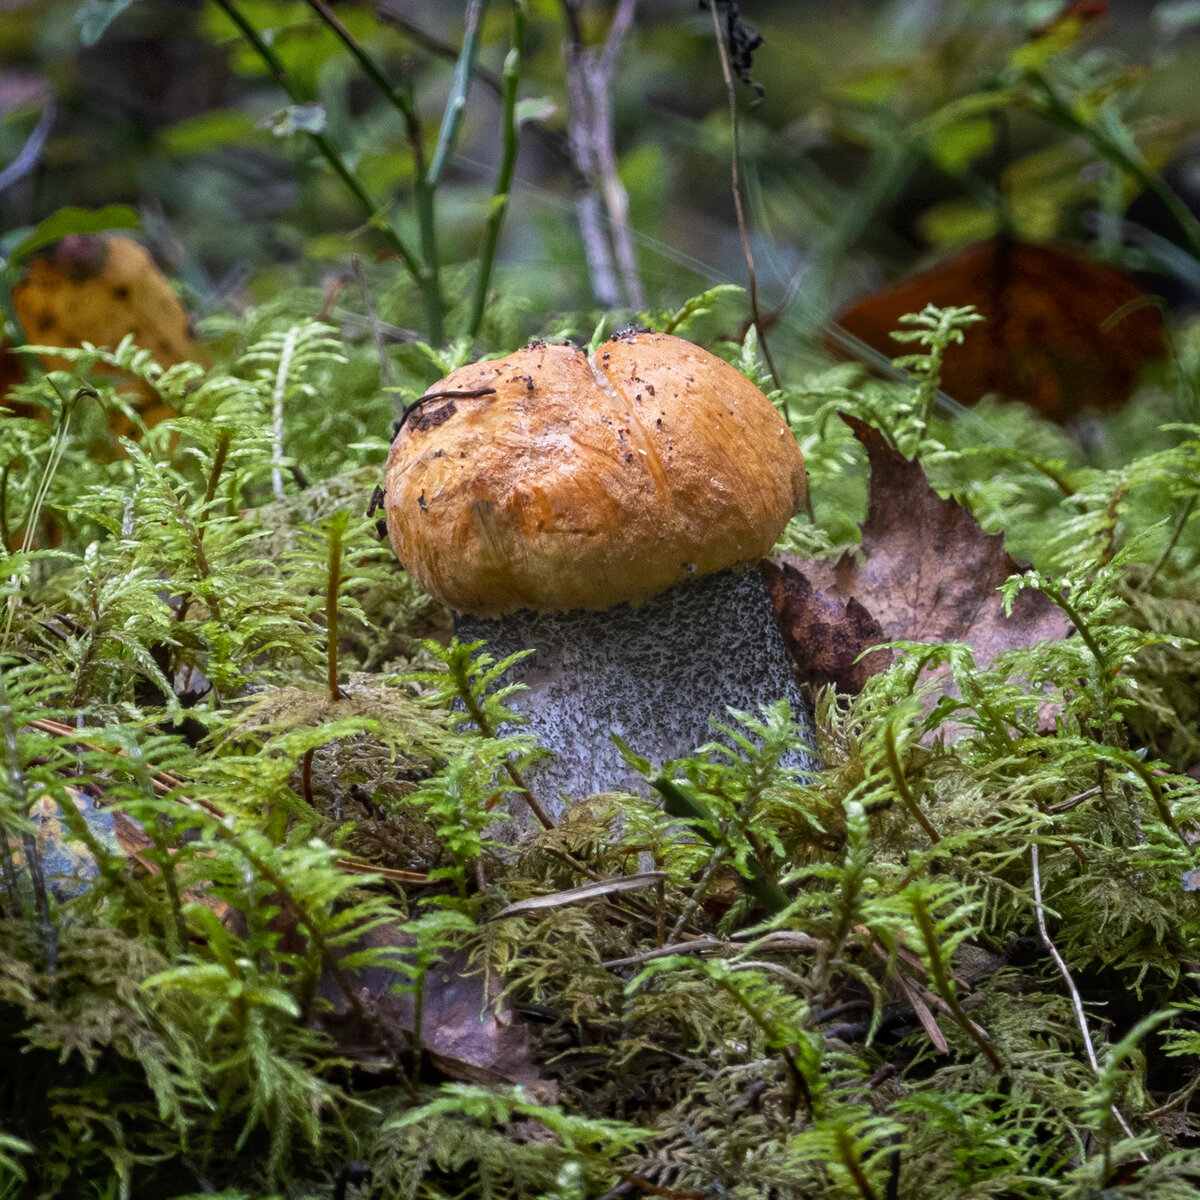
x: 925, y: 572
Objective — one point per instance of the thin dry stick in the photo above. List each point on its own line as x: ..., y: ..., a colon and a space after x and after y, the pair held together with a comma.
x: 1076, y: 1000
x: 589, y: 76
x: 756, y: 316
x: 1176, y: 1100
x: 616, y: 199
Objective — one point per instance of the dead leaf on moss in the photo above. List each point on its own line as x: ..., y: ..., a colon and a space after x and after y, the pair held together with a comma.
x: 925, y: 572
x: 468, y: 1030
x: 99, y: 289
x: 826, y: 633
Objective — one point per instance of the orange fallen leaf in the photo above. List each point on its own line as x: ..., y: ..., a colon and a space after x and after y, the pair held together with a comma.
x: 1062, y: 332
x: 99, y: 289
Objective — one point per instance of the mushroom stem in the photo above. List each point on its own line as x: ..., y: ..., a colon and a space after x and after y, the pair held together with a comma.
x: 656, y: 674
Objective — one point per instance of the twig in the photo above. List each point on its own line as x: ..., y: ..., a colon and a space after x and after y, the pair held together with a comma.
x: 589, y: 76
x: 1066, y: 805
x: 736, y: 184
x: 784, y: 941
x: 386, y: 332
x: 1076, y: 1001
x: 451, y: 394
x: 1177, y: 1100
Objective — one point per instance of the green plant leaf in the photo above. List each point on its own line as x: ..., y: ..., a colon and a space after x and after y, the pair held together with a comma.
x: 94, y: 16
x: 75, y: 220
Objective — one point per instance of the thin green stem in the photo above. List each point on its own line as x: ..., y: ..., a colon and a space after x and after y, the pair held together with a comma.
x: 770, y: 1030
x: 1085, y: 634
x: 1156, y: 795
x: 429, y: 276
x: 425, y: 279
x: 1165, y: 556
x: 196, y: 542
x: 476, y: 713
x: 937, y: 969
x: 846, y: 1152
x: 901, y: 784
x: 164, y: 837
x: 508, y: 159
x: 316, y: 933
x: 4, y: 543
x: 399, y: 99
x: 1054, y: 107
x: 456, y: 103
x: 34, y: 517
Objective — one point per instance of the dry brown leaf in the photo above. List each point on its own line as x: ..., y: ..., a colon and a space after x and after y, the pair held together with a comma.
x: 825, y: 633
x: 97, y: 288
x: 926, y: 572
x: 1063, y: 332
x: 468, y: 1030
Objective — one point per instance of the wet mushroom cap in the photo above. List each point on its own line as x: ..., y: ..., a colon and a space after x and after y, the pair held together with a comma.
x: 547, y: 481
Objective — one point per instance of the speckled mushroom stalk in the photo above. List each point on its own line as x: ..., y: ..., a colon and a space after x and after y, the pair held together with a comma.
x: 600, y: 512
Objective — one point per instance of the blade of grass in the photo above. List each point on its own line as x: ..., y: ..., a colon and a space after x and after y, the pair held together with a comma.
x: 679, y: 803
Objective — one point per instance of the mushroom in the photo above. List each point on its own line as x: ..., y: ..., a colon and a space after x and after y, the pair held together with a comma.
x: 602, y: 512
